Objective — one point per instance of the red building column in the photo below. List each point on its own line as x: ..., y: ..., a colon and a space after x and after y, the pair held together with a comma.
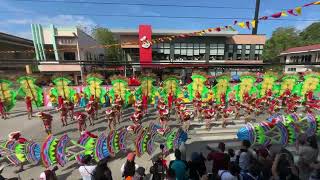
x: 145, y: 46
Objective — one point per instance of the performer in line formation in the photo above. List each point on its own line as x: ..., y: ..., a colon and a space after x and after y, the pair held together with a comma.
x: 81, y: 119
x: 63, y: 112
x: 29, y: 107
x: 118, y: 108
x: 91, y: 112
x: 3, y: 112
x: 17, y: 137
x: 47, y: 121
x: 110, y: 117
x: 70, y: 107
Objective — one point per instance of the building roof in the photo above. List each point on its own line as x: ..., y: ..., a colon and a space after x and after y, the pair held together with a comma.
x: 11, y: 39
x: 302, y: 49
x: 171, y: 32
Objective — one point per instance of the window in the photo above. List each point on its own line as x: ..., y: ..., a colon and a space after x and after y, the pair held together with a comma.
x: 292, y: 69
x: 230, y: 51
x: 258, y: 52
x: 247, y: 52
x: 216, y: 52
x: 69, y: 56
x: 189, y: 51
x: 161, y: 51
x: 239, y: 52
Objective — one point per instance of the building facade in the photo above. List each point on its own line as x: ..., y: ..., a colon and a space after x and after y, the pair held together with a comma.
x: 13, y: 51
x: 217, y: 52
x: 59, y: 49
x: 301, y: 59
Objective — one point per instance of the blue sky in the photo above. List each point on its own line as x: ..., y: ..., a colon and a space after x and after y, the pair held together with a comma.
x: 16, y: 16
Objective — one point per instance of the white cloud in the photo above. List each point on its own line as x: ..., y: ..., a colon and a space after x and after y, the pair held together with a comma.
x: 59, y: 20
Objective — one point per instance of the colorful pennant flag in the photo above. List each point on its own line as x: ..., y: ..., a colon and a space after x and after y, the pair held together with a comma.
x: 283, y: 13
x: 316, y: 3
x: 276, y: 15
x: 291, y: 11
x: 248, y: 24
x: 218, y: 29
x: 298, y: 10
x: 253, y: 24
x: 242, y: 24
x: 235, y: 22
x: 263, y: 18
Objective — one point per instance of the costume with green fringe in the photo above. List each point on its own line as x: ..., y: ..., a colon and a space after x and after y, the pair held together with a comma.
x: 120, y: 87
x: 247, y: 85
x: 222, y: 87
x: 94, y: 87
x: 7, y: 94
x: 29, y: 88
x: 63, y: 89
x: 197, y: 85
x: 269, y: 83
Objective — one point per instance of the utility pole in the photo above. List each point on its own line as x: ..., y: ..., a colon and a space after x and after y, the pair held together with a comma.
x: 256, y: 17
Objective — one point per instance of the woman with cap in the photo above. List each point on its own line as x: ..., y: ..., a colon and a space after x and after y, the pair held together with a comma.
x: 129, y: 168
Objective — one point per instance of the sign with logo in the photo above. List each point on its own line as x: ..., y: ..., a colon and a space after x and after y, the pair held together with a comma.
x: 145, y: 46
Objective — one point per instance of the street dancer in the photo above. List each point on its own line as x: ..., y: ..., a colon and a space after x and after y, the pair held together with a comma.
x: 81, y: 119
x: 47, y: 121
x: 29, y: 107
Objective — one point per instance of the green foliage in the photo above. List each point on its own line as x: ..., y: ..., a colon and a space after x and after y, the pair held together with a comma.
x: 105, y: 37
x: 286, y: 37
x: 282, y: 39
x: 311, y: 34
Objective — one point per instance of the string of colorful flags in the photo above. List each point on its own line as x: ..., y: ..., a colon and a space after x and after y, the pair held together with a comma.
x: 297, y: 11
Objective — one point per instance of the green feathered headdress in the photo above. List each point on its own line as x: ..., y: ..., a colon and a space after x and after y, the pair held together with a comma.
x: 7, y: 94
x: 29, y: 88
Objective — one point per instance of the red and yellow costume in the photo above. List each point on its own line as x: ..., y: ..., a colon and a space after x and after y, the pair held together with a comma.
x: 208, y: 115
x: 63, y: 113
x: 110, y: 117
x: 81, y: 119
x: 90, y: 111
x: 2, y: 110
x: 47, y: 121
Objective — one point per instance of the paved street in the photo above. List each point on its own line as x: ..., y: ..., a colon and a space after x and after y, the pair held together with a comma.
x: 33, y: 129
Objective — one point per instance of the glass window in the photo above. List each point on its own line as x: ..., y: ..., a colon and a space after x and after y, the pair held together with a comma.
x: 161, y: 51
x: 247, y: 52
x: 239, y: 52
x: 216, y: 52
x: 258, y: 51
x: 230, y: 51
x: 189, y: 51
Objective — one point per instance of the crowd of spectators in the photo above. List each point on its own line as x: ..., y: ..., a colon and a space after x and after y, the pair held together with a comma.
x: 273, y: 162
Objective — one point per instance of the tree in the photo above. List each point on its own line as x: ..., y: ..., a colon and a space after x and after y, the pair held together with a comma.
x: 282, y: 39
x: 105, y: 37
x: 311, y: 35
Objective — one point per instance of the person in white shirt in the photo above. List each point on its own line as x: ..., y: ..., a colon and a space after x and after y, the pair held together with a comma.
x: 233, y: 172
x: 86, y: 170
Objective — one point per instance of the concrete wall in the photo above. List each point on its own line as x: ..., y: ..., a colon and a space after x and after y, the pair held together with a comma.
x: 85, y: 43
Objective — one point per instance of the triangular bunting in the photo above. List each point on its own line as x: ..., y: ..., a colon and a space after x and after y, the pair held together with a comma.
x: 242, y: 24
x: 253, y: 24
x: 248, y: 24
x: 309, y: 4
x: 298, y: 10
x: 276, y: 15
x: 290, y: 11
x: 316, y: 3
x: 218, y: 29
x: 263, y: 18
x: 235, y: 22
x: 283, y: 13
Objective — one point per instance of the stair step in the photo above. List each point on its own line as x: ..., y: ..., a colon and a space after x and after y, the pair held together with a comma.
x: 217, y: 122
x: 213, y: 138
x: 214, y: 128
x: 214, y: 132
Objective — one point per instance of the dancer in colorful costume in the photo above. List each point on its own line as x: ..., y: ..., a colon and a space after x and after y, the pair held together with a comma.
x: 7, y: 97
x: 95, y: 89
x: 47, y: 121
x: 29, y: 107
x: 209, y: 113
x: 62, y: 89
x: 118, y: 102
x: 163, y: 112
x: 81, y: 119
x: 110, y: 117
x: 31, y: 92
x: 70, y: 107
x: 120, y: 88
x: 91, y: 112
x: 3, y: 112
x: 15, y: 137
x: 197, y: 104
x: 62, y: 108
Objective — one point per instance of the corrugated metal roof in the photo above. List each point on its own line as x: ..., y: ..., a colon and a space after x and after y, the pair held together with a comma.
x: 302, y: 49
